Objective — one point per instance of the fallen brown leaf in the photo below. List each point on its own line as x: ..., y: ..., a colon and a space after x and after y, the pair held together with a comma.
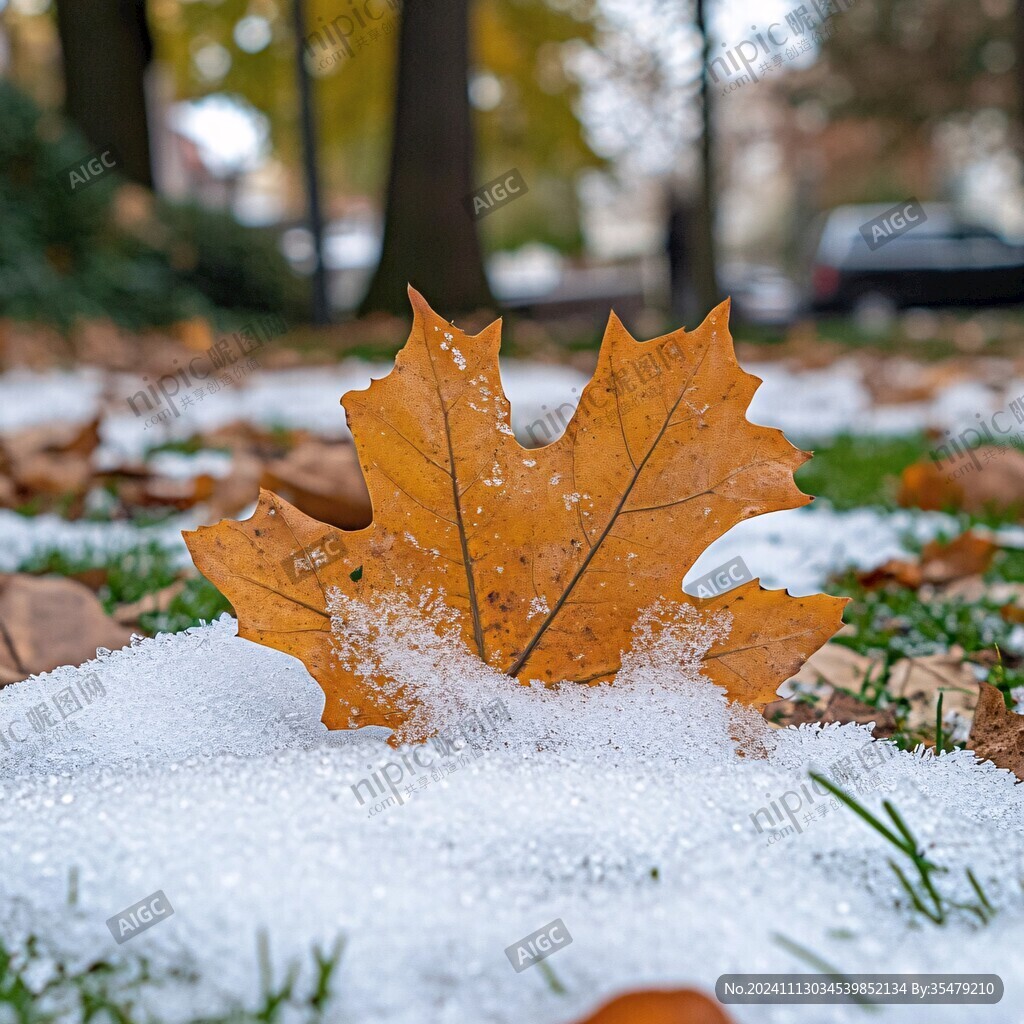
x: 921, y: 680
x: 157, y: 601
x: 839, y: 707
x: 940, y: 563
x: 997, y: 733
x: 834, y: 667
x: 988, y: 479
x: 46, y: 622
x: 324, y: 481
x: 79, y: 439
x: 239, y: 489
x: 48, y: 462
x: 825, y: 686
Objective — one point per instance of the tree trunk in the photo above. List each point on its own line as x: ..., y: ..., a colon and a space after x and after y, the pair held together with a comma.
x: 1019, y: 67
x: 702, y: 249
x: 106, y: 48
x: 682, y: 299
x: 430, y: 239
x: 320, y: 301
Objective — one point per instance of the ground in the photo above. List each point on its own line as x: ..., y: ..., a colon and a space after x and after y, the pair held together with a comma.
x: 645, y: 817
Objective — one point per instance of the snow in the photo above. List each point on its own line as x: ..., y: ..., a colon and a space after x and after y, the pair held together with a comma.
x: 300, y: 398
x: 30, y: 399
x: 23, y: 537
x: 181, y: 466
x: 808, y: 404
x: 625, y: 811
x: 799, y: 549
x: 196, y: 764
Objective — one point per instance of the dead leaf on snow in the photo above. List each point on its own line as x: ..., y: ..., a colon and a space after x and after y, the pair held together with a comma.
x: 997, y: 734
x: 46, y: 622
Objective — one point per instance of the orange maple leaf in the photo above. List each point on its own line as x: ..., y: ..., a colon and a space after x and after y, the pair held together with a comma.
x: 544, y: 558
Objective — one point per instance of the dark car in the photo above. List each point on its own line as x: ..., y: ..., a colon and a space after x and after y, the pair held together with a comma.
x: 937, y: 262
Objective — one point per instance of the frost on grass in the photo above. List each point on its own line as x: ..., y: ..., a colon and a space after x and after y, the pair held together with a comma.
x: 624, y: 810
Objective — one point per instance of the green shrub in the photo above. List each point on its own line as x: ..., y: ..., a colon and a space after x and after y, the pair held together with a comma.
x: 62, y: 256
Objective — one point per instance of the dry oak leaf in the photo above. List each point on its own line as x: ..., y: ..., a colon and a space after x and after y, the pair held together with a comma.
x: 941, y: 562
x: 46, y: 622
x: 997, y: 733
x: 323, y: 480
x: 682, y: 1006
x: 989, y: 478
x: 546, y: 557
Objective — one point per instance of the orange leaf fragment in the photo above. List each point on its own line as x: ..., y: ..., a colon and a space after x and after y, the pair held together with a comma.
x: 546, y: 558
x: 997, y: 733
x: 682, y: 1006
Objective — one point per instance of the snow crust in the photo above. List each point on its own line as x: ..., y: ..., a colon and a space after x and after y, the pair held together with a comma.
x: 626, y: 811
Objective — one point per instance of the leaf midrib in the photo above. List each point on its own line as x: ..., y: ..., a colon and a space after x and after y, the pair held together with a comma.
x: 523, y: 658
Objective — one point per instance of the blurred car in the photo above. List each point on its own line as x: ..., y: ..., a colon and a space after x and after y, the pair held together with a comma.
x: 760, y: 294
x: 939, y: 262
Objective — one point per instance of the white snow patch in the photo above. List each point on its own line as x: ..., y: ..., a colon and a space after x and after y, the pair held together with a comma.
x: 29, y: 399
x: 624, y: 810
x: 22, y: 537
x: 800, y: 548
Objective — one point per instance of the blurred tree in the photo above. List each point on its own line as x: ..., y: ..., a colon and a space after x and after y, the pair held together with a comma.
x: 646, y: 73
x: 107, y: 251
x: 106, y: 47
x: 524, y: 99
x: 1019, y: 57
x: 890, y: 73
x: 430, y: 239
x: 320, y: 307
x: 702, y: 252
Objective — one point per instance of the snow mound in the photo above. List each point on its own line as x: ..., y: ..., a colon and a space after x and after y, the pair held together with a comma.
x: 643, y: 815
